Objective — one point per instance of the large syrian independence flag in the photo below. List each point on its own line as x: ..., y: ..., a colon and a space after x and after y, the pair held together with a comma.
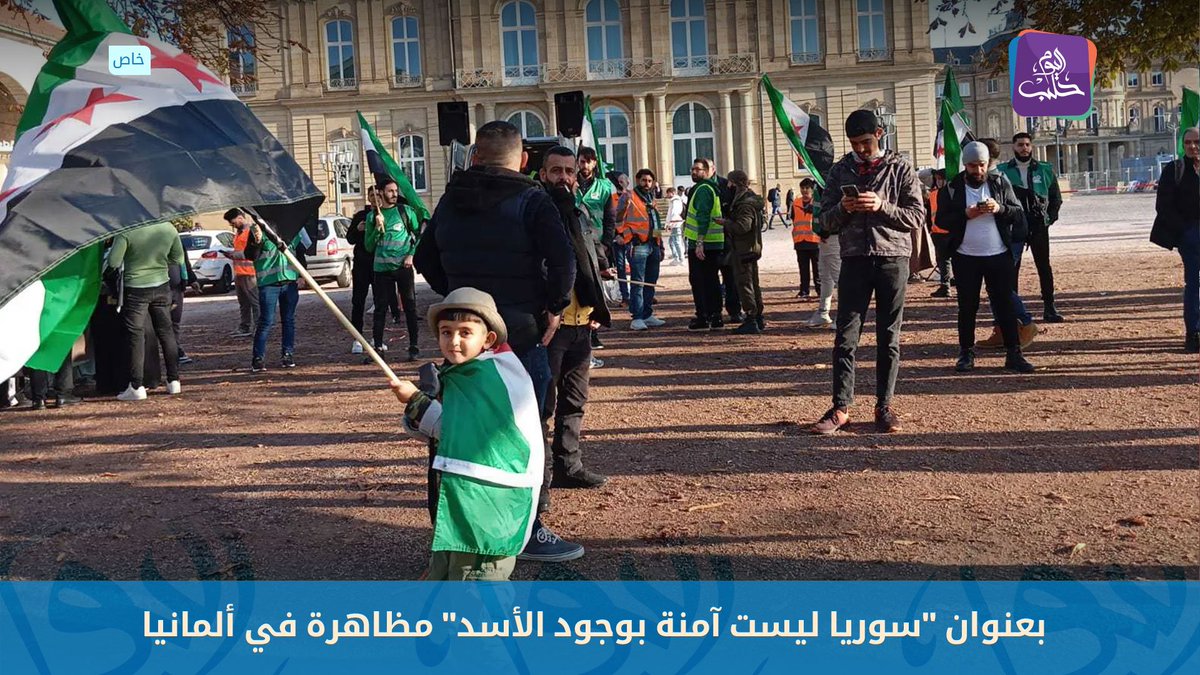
x: 98, y: 153
x: 381, y: 164
x: 811, y: 142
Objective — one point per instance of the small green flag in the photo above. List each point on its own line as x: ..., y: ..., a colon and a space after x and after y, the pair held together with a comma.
x: 1189, y: 116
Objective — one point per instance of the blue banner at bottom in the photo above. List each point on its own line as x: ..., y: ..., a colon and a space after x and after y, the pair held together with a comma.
x: 757, y: 628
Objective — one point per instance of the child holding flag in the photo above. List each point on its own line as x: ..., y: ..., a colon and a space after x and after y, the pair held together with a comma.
x: 485, y: 433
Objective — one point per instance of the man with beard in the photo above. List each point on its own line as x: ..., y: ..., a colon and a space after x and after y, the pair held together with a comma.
x: 1177, y: 225
x: 873, y: 199
x: 1037, y: 189
x: 637, y: 227
x: 983, y: 218
x: 391, y: 233
x: 498, y: 231
x: 706, y: 244
x: 570, y: 350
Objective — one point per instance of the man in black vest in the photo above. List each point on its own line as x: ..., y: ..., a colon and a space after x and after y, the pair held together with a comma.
x: 497, y: 230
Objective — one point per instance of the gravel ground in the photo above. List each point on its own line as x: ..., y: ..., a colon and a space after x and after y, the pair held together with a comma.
x: 1086, y: 469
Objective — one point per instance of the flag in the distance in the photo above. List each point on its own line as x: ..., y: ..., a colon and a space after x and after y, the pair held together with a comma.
x: 952, y: 99
x: 99, y: 153
x: 810, y: 141
x: 1189, y: 116
x: 381, y: 164
x: 587, y: 137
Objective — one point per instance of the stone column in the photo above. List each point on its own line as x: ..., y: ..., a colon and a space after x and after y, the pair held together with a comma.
x: 725, y: 149
x: 489, y: 111
x: 552, y: 122
x: 666, y: 165
x: 642, y: 140
x: 749, y: 134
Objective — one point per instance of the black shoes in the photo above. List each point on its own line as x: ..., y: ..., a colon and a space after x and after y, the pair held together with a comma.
x: 941, y: 292
x: 580, y: 480
x: 62, y: 401
x: 716, y: 324
x: 287, y: 361
x: 748, y: 327
x: 762, y: 324
x: 966, y: 361
x: 696, y: 324
x: 737, y: 318
x: 414, y: 353
x: 257, y: 365
x: 1051, y: 315
x: 1017, y: 363
x: 596, y: 343
x: 1192, y: 344
x: 37, y: 404
x: 545, y: 546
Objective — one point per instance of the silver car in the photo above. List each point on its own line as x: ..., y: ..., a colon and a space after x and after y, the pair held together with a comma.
x: 208, y: 251
x: 334, y: 256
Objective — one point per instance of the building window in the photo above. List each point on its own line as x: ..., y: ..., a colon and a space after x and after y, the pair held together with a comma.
x: 1160, y: 119
x: 872, y: 30
x: 1157, y: 78
x: 529, y: 122
x: 604, y: 34
x: 518, y: 35
x: 806, y: 41
x: 692, y: 132
x: 612, y: 134
x: 689, y: 38
x: 243, y: 66
x: 350, y: 184
x: 1093, y: 122
x: 1132, y: 80
x: 339, y: 44
x: 1031, y: 125
x: 993, y: 125
x: 993, y: 85
x: 406, y: 50
x: 1135, y: 114
x: 411, y: 157
x: 964, y: 89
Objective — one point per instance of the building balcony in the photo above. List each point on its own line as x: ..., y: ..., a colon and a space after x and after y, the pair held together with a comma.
x: 342, y: 84
x: 806, y: 58
x: 478, y: 78
x: 523, y: 76
x: 610, y: 69
x: 405, y: 80
x: 244, y: 88
x: 882, y: 54
x: 701, y: 66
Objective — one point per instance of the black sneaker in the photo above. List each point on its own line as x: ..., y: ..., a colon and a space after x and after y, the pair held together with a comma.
x: 942, y: 291
x: 257, y: 365
x: 580, y: 480
x: 762, y: 323
x: 37, y: 404
x: 1192, y: 344
x: 66, y: 400
x: 698, y: 324
x: 748, y: 327
x: 716, y: 324
x: 1051, y: 315
x: 545, y: 546
x: 1017, y: 363
x: 596, y: 343
x: 184, y: 359
x: 737, y: 318
x: 287, y: 361
x: 966, y: 361
x: 414, y: 353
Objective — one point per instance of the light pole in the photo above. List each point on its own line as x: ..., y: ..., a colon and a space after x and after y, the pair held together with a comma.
x: 1060, y: 130
x: 888, y: 118
x: 339, y: 165
x: 1173, y: 119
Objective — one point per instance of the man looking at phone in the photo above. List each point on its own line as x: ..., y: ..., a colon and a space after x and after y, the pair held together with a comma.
x: 873, y: 202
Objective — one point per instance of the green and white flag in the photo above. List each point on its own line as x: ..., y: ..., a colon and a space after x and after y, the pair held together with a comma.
x: 810, y: 141
x: 947, y: 151
x: 1189, y: 116
x: 491, y: 455
x: 381, y: 164
x: 587, y: 137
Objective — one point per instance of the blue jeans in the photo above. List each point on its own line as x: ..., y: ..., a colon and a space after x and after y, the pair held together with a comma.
x: 1024, y: 318
x: 644, y: 262
x: 286, y: 297
x: 619, y: 258
x: 1189, y: 250
x: 676, y: 243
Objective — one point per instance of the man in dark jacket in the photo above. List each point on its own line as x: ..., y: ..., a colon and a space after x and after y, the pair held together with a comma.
x: 497, y: 230
x: 364, y: 269
x: 881, y: 204
x: 1037, y: 189
x: 743, y: 234
x: 570, y: 350
x: 1177, y: 225
x: 983, y: 218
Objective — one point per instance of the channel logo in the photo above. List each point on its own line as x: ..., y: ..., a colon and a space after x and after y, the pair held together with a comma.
x: 129, y: 60
x: 1051, y: 75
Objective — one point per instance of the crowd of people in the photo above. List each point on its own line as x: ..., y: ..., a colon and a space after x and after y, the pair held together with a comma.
x: 528, y: 267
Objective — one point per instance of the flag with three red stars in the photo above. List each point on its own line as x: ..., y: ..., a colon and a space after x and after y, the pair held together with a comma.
x: 99, y: 152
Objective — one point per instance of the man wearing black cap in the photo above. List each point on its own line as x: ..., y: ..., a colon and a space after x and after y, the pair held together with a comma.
x: 874, y: 201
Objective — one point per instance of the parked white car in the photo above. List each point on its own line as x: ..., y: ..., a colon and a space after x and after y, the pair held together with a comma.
x: 207, y: 249
x: 334, y: 256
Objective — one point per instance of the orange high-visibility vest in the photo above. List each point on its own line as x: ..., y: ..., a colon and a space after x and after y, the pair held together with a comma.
x: 635, y: 222
x: 242, y: 268
x: 802, y: 229
x: 933, y: 206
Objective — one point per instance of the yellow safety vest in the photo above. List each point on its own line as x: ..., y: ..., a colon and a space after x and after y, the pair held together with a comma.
x: 691, y: 228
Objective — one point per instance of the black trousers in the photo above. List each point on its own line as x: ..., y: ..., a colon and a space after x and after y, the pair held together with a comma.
x: 39, y: 381
x: 940, y: 244
x: 704, y: 278
x: 570, y: 355
x: 863, y: 276
x: 177, y: 316
x: 810, y: 269
x: 997, y: 273
x: 386, y: 285
x: 729, y: 287
x: 157, y: 303
x: 1039, y: 246
x: 363, y: 277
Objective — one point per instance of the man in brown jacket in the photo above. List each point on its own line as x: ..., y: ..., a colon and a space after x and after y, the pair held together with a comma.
x: 873, y: 201
x: 743, y: 231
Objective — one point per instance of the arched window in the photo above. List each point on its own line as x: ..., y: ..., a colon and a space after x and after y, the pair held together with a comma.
x: 689, y: 38
x: 612, y: 133
x: 529, y: 122
x: 1160, y: 119
x: 692, y: 132
x: 518, y: 37
x: 350, y: 184
x: 604, y: 48
x: 806, y: 32
x: 410, y: 156
x: 339, y: 45
x: 406, y: 50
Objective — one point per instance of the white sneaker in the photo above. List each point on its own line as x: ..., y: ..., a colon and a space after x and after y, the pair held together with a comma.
x: 654, y: 322
x: 131, y: 394
x: 381, y: 347
x: 356, y: 348
x: 596, y: 363
x: 819, y: 320
x: 173, y: 387
x: 637, y: 324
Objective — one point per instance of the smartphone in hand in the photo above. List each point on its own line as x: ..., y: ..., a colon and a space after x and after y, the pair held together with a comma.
x: 850, y: 191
